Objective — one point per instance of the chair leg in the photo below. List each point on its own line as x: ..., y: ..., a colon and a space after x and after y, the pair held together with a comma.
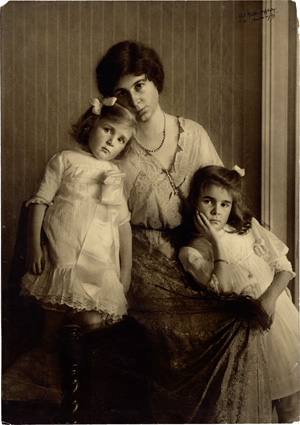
x: 70, y: 353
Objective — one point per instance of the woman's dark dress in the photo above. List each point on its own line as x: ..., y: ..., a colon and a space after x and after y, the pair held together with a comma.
x: 208, y: 362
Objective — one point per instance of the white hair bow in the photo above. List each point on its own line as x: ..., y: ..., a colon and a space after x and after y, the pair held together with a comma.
x: 98, y: 103
x: 239, y: 170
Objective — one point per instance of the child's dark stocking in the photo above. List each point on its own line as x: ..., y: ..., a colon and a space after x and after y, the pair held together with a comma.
x: 53, y: 321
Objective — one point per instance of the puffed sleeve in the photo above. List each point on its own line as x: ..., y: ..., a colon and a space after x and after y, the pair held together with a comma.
x: 197, y: 146
x: 271, y: 248
x: 50, y: 182
x: 198, y: 262
x: 207, y: 151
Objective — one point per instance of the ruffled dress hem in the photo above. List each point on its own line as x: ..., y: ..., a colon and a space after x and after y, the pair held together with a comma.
x: 57, y: 288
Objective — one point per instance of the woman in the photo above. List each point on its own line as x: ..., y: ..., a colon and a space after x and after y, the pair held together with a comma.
x: 205, y: 366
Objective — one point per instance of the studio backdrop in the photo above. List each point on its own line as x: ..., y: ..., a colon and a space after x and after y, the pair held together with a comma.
x: 219, y: 61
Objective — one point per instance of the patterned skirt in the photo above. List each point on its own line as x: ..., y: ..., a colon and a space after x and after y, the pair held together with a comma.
x: 208, y: 353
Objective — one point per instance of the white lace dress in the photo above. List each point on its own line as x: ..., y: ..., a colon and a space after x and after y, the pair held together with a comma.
x: 254, y: 258
x: 86, y: 206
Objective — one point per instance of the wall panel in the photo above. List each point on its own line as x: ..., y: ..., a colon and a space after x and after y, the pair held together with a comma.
x: 49, y: 54
x: 203, y: 77
x: 191, y: 58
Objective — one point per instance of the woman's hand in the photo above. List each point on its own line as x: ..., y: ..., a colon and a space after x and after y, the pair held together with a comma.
x: 35, y: 260
x: 205, y: 228
x: 125, y: 278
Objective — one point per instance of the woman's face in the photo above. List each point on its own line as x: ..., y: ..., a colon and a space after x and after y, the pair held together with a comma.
x: 138, y: 95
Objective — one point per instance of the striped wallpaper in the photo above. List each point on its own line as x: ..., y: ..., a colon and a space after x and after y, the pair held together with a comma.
x: 49, y: 52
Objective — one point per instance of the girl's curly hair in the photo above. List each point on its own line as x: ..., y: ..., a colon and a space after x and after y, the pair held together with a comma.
x: 80, y: 131
x: 240, y: 216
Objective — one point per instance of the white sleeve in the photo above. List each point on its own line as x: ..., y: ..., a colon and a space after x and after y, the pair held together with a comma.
x: 51, y: 181
x: 271, y: 248
x: 199, y: 268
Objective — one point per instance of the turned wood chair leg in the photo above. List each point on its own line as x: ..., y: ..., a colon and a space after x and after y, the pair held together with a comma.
x: 70, y: 359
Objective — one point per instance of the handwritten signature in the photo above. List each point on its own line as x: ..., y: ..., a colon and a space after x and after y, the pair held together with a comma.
x: 258, y: 15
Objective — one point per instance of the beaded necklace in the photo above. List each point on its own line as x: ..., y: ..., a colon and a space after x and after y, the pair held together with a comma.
x: 170, y: 178
x: 163, y: 139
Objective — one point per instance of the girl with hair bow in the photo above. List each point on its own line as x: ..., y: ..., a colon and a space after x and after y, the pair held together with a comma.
x: 230, y: 254
x: 79, y: 226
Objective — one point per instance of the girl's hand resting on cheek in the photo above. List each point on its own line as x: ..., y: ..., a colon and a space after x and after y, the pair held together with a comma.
x: 205, y: 228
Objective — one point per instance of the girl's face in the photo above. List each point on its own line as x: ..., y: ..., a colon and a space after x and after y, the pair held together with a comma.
x: 215, y: 203
x: 138, y: 95
x: 107, y: 139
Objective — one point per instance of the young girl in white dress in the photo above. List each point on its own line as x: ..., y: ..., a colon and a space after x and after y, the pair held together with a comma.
x: 79, y: 226
x: 229, y: 251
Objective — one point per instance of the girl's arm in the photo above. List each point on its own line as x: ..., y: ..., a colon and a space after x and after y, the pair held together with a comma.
x: 34, y: 257
x: 269, y: 297
x: 274, y: 251
x: 125, y: 255
x: 221, y: 268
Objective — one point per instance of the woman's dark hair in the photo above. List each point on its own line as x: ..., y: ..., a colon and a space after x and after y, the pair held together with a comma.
x: 128, y: 57
x: 240, y: 216
x: 80, y: 131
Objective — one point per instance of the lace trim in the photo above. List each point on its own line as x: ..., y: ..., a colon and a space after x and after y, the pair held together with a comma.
x: 279, y: 266
x: 213, y: 284
x: 39, y: 201
x: 64, y: 304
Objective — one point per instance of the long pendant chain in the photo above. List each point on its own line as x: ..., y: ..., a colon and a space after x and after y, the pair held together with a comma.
x: 175, y: 189
x: 172, y: 183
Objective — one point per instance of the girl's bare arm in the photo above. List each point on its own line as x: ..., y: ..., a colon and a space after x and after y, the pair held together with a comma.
x: 269, y: 297
x: 34, y: 257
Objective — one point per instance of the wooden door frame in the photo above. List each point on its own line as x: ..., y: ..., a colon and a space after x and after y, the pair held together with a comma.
x: 280, y: 135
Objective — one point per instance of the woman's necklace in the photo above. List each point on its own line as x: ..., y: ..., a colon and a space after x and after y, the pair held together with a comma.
x: 163, y: 139
x: 171, y: 181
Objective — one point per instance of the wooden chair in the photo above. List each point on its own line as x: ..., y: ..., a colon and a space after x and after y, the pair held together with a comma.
x: 105, y: 374
x: 103, y: 370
